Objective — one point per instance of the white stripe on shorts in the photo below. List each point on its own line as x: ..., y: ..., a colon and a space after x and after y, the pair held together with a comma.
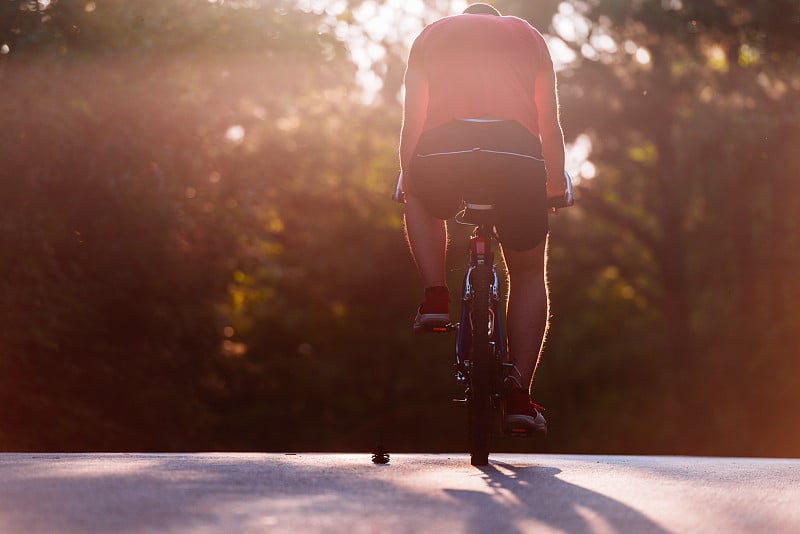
x: 482, y: 120
x: 479, y: 150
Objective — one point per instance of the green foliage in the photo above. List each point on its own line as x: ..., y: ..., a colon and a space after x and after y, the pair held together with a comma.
x: 130, y: 202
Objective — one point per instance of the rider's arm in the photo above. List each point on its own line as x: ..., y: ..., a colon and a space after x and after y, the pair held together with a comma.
x: 415, y: 110
x: 550, y: 131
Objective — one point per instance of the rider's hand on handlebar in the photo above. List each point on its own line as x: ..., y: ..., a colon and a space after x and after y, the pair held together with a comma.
x: 556, y: 196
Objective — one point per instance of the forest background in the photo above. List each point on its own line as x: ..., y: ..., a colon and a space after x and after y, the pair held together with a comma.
x: 199, y: 251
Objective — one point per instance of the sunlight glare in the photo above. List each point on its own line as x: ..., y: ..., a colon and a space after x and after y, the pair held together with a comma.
x: 717, y: 59
x: 5, y: 49
x: 564, y: 27
x: 336, y: 8
x: 235, y: 133
x: 565, y: 8
x: 589, y: 52
x: 370, y: 82
x: 571, y: 25
x: 373, y: 24
x: 562, y: 54
x: 577, y: 157
x: 587, y: 170
x: 643, y: 55
x: 603, y: 42
x: 456, y: 6
x: 309, y: 6
x: 571, y: 28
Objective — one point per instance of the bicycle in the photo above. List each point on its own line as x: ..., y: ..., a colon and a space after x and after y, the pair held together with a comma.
x: 482, y: 365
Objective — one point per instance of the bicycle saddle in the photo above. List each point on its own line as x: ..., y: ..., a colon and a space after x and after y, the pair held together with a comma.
x: 478, y: 207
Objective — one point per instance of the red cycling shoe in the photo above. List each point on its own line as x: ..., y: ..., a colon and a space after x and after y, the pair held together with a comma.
x: 434, y: 313
x: 521, y: 416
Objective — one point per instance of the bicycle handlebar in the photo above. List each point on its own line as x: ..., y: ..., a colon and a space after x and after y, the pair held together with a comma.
x: 399, y: 195
x: 564, y: 201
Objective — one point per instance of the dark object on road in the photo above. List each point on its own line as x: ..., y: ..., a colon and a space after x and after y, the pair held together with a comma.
x: 380, y: 455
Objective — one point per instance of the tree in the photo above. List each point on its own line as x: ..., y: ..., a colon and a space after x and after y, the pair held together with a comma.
x: 126, y: 207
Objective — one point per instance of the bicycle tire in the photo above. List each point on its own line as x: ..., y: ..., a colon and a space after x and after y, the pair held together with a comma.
x: 479, y: 400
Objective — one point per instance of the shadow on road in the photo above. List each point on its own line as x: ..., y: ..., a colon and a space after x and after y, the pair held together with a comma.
x: 524, y: 498
x: 310, y: 493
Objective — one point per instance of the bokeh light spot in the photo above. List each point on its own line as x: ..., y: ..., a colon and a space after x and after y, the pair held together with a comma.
x: 235, y: 133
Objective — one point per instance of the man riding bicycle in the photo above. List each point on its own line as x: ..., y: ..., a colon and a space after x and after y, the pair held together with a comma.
x: 481, y: 110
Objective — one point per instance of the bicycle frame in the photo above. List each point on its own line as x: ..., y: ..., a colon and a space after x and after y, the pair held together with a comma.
x: 482, y: 366
x: 480, y: 252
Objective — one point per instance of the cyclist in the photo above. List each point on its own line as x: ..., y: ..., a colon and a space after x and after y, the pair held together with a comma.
x: 482, y: 80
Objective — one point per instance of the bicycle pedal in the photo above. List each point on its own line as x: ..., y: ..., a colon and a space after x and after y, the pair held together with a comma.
x: 460, y: 401
x: 520, y: 433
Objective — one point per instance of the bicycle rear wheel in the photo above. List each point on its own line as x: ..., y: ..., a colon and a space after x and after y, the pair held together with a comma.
x: 479, y: 399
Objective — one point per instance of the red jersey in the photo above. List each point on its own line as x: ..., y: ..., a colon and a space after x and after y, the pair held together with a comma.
x: 480, y: 66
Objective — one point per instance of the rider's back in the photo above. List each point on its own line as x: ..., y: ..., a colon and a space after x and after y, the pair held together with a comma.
x: 481, y: 66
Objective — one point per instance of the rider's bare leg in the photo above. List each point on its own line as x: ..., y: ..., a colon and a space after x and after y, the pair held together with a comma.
x: 427, y: 238
x: 528, y: 308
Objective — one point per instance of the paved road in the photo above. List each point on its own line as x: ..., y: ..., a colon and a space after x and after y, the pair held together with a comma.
x: 205, y: 493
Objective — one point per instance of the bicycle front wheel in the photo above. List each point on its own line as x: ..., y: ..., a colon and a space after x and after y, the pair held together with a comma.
x: 479, y: 399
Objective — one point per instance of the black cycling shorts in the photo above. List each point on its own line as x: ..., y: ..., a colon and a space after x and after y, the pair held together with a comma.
x: 508, y: 168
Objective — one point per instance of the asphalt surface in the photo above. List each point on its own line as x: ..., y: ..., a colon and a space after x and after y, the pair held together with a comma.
x: 211, y: 493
